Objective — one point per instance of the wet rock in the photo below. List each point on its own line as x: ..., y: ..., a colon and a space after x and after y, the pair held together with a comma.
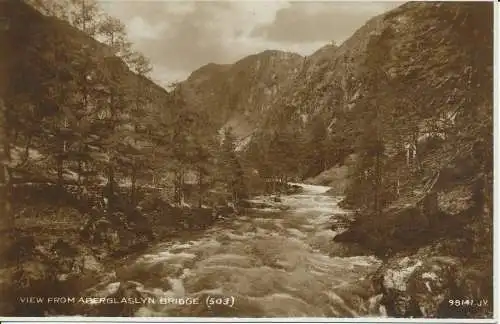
x: 294, y: 189
x: 21, y: 249
x: 63, y: 249
x: 408, y: 222
x: 245, y: 203
x: 474, y: 283
x: 127, y: 290
x: 456, y: 200
x: 91, y: 265
x: 201, y: 218
x: 251, y: 204
x: 418, y: 287
x: 32, y: 278
x: 223, y: 212
x: 153, y: 202
x: 283, y: 207
x: 32, y: 275
x: 341, y: 222
x: 433, y: 284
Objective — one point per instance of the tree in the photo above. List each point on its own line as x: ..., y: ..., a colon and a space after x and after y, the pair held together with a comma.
x: 56, y: 101
x: 84, y: 14
x: 112, y: 31
x: 142, y: 97
x: 6, y: 217
x: 231, y: 168
x: 286, y: 154
x: 59, y: 9
x: 204, y: 159
x: 372, y: 115
x: 5, y: 175
x: 115, y: 103
x: 317, y: 151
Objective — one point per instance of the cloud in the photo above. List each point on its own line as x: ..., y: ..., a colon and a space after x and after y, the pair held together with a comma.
x: 320, y: 21
x: 181, y: 36
x: 138, y: 28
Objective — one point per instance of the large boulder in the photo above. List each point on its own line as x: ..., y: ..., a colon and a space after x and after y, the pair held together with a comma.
x: 433, y: 284
x: 405, y: 223
x: 22, y: 248
x: 125, y: 289
x: 423, y: 286
x: 294, y: 189
x: 341, y: 221
x: 252, y: 204
x: 32, y: 278
x: 412, y: 287
x: 201, y: 218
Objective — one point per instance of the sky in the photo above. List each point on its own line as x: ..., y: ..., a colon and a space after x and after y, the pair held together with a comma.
x: 181, y: 36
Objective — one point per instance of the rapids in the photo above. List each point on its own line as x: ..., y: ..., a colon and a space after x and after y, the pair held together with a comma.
x: 276, y: 262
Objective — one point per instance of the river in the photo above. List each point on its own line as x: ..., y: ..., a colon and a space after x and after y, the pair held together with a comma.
x: 269, y: 262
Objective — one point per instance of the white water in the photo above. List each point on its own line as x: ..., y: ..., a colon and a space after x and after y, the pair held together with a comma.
x: 274, y: 263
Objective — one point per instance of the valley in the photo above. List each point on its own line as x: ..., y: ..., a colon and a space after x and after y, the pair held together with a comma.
x: 262, y: 180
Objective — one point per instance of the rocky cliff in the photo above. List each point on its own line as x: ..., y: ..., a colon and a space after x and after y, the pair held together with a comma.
x: 240, y: 95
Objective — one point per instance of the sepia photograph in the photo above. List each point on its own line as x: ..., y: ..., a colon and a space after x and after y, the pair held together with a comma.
x: 246, y: 159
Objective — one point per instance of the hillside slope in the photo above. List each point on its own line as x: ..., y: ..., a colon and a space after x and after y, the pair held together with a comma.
x: 239, y: 95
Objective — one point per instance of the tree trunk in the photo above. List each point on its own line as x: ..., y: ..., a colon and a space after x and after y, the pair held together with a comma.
x: 181, y: 191
x: 133, y: 190
x: 178, y: 188
x: 7, y: 221
x: 111, y: 189
x: 378, y: 184
x: 416, y: 159
x: 60, y: 172
x: 27, y: 149
x: 80, y: 171
x: 200, y: 187
x: 273, y: 179
x: 235, y: 197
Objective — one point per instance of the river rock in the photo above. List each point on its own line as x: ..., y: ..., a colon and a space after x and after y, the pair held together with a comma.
x: 201, y: 218
x: 294, y: 189
x: 405, y: 223
x: 433, y: 284
x: 91, y: 265
x: 413, y: 287
x: 23, y: 248
x: 32, y: 273
x: 127, y: 289
x: 225, y: 211
x: 31, y: 278
x: 341, y: 222
x: 252, y: 204
x: 63, y: 249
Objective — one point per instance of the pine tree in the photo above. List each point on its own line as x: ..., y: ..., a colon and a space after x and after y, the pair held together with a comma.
x: 58, y: 83
x: 6, y: 217
x: 113, y: 32
x: 372, y: 114
x: 137, y: 146
x: 231, y: 167
x: 84, y: 15
x: 7, y: 221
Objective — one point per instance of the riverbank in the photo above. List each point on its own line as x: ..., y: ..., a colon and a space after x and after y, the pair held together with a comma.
x: 60, y: 250
x: 435, y: 240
